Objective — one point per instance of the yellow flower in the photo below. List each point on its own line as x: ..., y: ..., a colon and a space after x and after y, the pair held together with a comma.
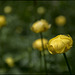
x: 40, y: 10
x: 60, y: 44
x: 60, y: 20
x: 7, y: 9
x: 40, y: 26
x: 10, y: 61
x: 2, y: 20
x: 37, y: 44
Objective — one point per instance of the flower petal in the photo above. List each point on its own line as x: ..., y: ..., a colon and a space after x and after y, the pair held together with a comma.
x: 51, y: 49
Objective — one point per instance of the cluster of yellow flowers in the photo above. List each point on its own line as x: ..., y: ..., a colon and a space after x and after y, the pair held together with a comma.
x: 58, y: 44
x: 7, y: 10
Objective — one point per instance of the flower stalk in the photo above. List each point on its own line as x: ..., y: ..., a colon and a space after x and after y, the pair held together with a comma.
x: 40, y: 62
x: 43, y: 53
x: 67, y: 63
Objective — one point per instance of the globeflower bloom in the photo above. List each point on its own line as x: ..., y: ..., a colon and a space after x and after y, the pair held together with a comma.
x: 60, y: 20
x: 40, y: 26
x: 7, y: 9
x: 2, y: 20
x: 9, y: 61
x: 59, y: 44
x: 40, y: 10
x: 37, y: 44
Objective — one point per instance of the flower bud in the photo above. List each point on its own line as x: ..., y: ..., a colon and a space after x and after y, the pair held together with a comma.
x: 59, y: 44
x: 40, y: 26
x: 37, y: 44
x: 9, y: 61
x: 60, y: 20
x: 2, y: 20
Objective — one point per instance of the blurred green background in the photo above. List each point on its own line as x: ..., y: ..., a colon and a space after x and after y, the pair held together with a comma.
x: 16, y: 38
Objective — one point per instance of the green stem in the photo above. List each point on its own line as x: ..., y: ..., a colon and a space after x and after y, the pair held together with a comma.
x: 2, y: 51
x: 67, y: 64
x: 40, y: 62
x: 43, y: 53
